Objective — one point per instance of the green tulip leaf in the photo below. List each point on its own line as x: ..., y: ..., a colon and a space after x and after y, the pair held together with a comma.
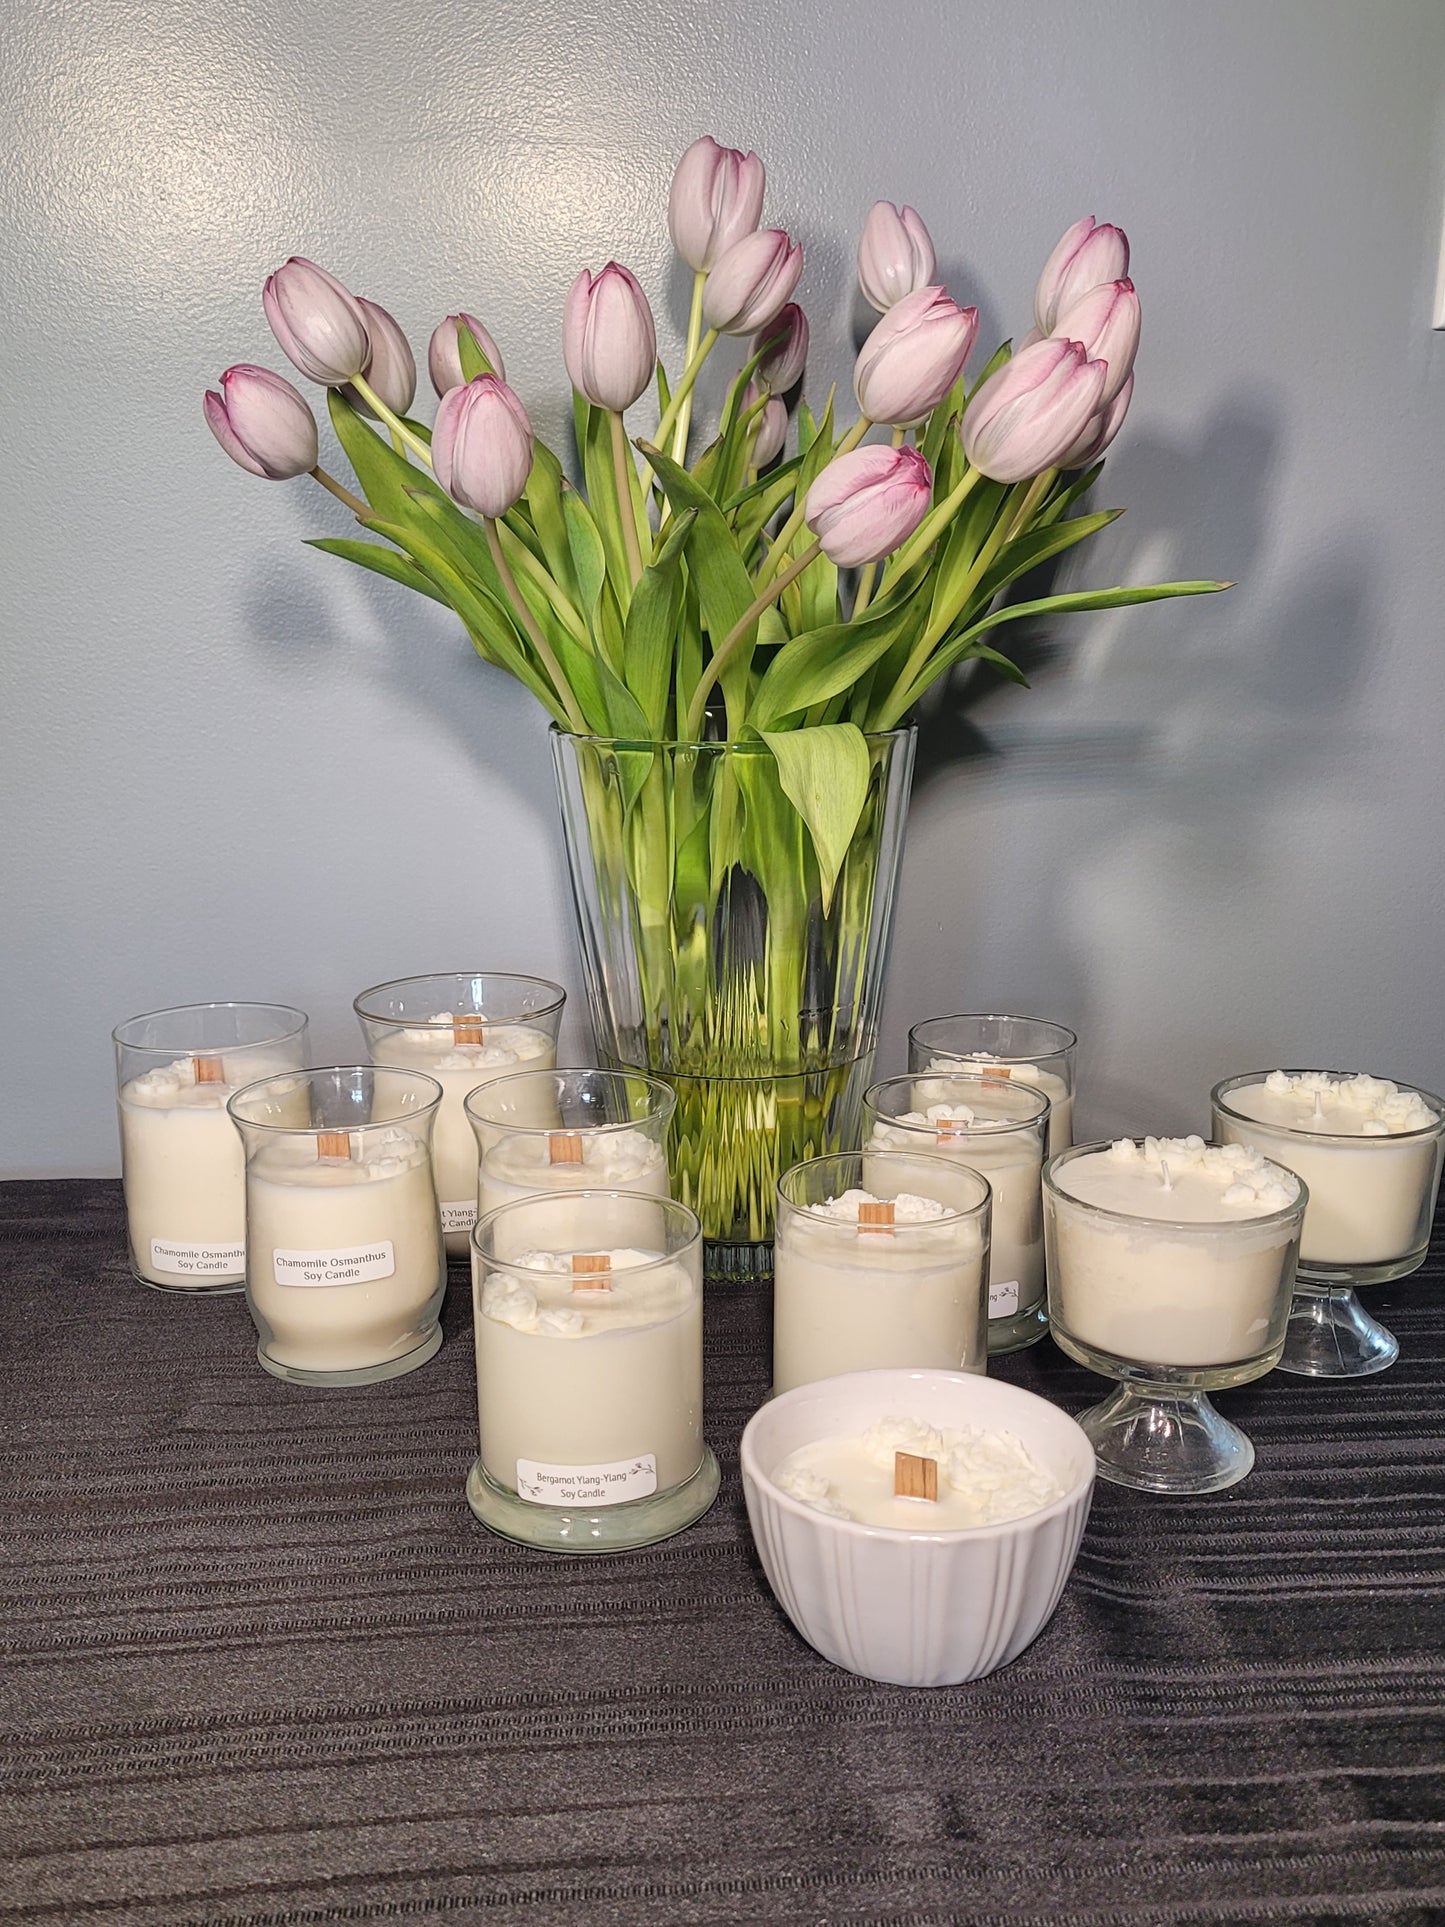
x: 825, y: 772
x: 473, y: 356
x: 382, y: 561
x: 651, y: 628
x: 824, y: 663
x: 1026, y: 552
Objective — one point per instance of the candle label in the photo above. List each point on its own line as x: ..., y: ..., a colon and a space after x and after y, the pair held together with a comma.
x: 459, y: 1217
x: 587, y: 1484
x: 198, y: 1261
x: 351, y: 1266
x: 1003, y: 1299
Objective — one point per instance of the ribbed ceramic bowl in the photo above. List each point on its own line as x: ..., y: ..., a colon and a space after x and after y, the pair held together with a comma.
x: 915, y: 1608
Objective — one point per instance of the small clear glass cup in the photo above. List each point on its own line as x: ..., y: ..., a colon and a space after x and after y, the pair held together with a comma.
x: 867, y: 1290
x: 182, y: 1166
x: 1372, y: 1202
x: 345, y: 1270
x: 1031, y: 1049
x: 999, y: 1129
x: 463, y: 1028
x: 1173, y: 1310
x: 570, y: 1130
x: 589, y: 1372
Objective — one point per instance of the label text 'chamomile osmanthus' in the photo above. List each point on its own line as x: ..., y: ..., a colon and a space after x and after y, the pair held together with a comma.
x: 346, y: 1265
x: 197, y: 1261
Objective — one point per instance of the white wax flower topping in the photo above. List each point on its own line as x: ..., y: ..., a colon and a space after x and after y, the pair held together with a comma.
x: 501, y: 1043
x: 387, y: 1153
x: 1018, y: 1073
x: 985, y: 1478
x: 1000, y: 1473
x: 559, y: 1324
x: 1368, y: 1106
x: 907, y: 1208
x: 891, y: 1435
x: 616, y: 1157
x: 624, y: 1258
x: 1245, y: 1179
x: 813, y: 1489
x: 510, y: 1302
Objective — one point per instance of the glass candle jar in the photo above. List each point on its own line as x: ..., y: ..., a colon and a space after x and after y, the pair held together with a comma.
x: 463, y: 1029
x: 1370, y: 1152
x: 589, y: 1372
x: 1027, y: 1050
x: 569, y: 1131
x: 344, y: 1264
x: 181, y: 1161
x: 881, y: 1259
x: 997, y: 1128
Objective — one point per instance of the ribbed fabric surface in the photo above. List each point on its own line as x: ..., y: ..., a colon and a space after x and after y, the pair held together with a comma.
x: 260, y: 1664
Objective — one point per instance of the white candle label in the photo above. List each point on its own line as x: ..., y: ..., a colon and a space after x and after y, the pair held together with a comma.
x: 459, y: 1217
x: 1003, y: 1300
x: 351, y: 1266
x: 587, y: 1484
x: 198, y: 1261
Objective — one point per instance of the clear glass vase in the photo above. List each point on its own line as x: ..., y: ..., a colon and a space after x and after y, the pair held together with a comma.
x: 714, y: 958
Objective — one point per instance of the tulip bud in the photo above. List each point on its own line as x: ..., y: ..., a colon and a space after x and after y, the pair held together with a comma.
x: 752, y: 282
x: 1100, y: 431
x: 1106, y: 320
x: 608, y: 339
x: 913, y: 357
x: 716, y: 198
x: 895, y: 255
x: 1086, y: 257
x: 482, y: 446
x: 867, y: 503
x: 770, y: 425
x: 782, y: 365
x: 1032, y: 411
x: 444, y: 357
x: 320, y: 326
x: 263, y: 423
x: 391, y: 371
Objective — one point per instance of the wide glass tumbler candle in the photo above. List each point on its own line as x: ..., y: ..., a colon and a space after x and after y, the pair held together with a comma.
x: 881, y: 1259
x: 999, y: 1129
x: 181, y: 1162
x: 1027, y: 1050
x: 462, y: 1028
x: 1370, y: 1152
x: 589, y: 1372
x: 344, y: 1264
x: 569, y: 1131
x: 1171, y: 1264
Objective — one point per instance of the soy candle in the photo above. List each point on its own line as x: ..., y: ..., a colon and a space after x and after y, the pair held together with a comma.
x: 463, y: 1029
x: 1028, y: 1050
x: 182, y: 1167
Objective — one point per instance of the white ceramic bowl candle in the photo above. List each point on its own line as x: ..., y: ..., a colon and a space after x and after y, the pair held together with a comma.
x: 1030, y: 1050
x: 888, y: 1273
x: 344, y: 1264
x: 463, y: 1029
x: 1370, y: 1152
x: 997, y: 1128
x: 183, y: 1171
x: 1171, y: 1264
x: 589, y: 1372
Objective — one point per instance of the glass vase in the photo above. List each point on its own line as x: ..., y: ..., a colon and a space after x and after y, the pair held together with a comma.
x: 714, y: 958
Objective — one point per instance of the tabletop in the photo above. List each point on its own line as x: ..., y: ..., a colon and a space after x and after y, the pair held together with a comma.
x: 260, y: 1665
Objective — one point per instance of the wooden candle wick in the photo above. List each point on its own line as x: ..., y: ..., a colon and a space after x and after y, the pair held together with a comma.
x: 876, y: 1217
x: 564, y: 1147
x: 333, y: 1147
x: 591, y: 1271
x: 210, y: 1070
x: 949, y: 1129
x: 914, y: 1477
x: 467, y: 1030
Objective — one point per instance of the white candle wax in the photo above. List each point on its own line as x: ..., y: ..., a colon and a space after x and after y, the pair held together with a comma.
x: 587, y: 1396
x: 984, y: 1478
x: 1047, y: 1083
x: 461, y: 1068
x: 520, y: 1164
x: 345, y: 1265
x: 1370, y: 1199
x: 1186, y: 1276
x: 184, y: 1169
x: 850, y: 1298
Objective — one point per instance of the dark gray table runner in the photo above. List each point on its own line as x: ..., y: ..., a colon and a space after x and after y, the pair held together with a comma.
x: 260, y: 1665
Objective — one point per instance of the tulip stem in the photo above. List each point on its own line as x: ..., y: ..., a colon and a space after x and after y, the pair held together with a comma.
x: 394, y: 422
x: 1038, y: 489
x: 684, y: 388
x: 697, y: 709
x: 800, y: 508
x: 529, y: 623
x: 623, y: 472
x: 694, y: 335
x: 361, y: 510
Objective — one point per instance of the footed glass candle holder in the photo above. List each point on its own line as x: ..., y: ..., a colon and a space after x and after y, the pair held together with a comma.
x: 1171, y: 1264
x: 1370, y: 1152
x: 463, y: 1028
x: 1027, y: 1050
x: 344, y: 1264
x: 183, y: 1169
x: 589, y: 1372
x: 997, y: 1128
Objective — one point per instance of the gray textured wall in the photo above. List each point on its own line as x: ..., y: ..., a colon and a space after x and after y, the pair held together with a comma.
x: 1209, y: 837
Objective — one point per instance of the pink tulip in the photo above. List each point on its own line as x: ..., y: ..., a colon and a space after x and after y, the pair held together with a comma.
x: 1100, y: 431
x: 444, y: 358
x: 609, y: 341
x: 895, y: 255
x: 1086, y: 257
x: 752, y: 282
x: 716, y: 198
x: 263, y: 423
x: 1032, y: 411
x: 391, y: 370
x: 770, y: 426
x: 865, y: 504
x: 1106, y: 320
x: 913, y: 357
x: 782, y: 365
x: 320, y: 326
x: 482, y: 445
